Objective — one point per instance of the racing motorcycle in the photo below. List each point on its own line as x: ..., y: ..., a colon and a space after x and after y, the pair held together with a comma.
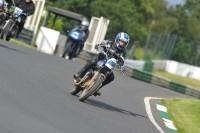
x: 91, y: 82
x: 75, y: 38
x: 1, y: 10
x: 9, y: 28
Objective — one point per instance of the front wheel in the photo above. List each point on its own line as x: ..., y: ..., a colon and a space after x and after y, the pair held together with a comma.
x: 67, y: 49
x: 88, y: 92
x: 5, y: 29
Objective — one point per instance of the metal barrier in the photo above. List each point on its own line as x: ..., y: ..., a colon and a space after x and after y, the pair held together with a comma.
x: 26, y: 36
x: 151, y: 78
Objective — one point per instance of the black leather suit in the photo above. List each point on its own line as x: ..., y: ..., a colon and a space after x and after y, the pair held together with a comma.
x: 119, y: 55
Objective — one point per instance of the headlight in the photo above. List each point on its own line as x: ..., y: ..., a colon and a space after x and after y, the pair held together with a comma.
x: 15, y: 15
x: 1, y: 3
x: 19, y: 19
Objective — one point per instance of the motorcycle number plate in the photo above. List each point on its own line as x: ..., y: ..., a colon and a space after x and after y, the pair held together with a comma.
x: 111, y: 63
x: 75, y: 35
x: 18, y: 11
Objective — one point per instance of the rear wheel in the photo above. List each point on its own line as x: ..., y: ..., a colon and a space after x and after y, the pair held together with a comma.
x: 88, y: 92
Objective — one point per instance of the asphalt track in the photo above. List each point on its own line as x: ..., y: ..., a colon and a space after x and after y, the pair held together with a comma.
x: 35, y: 98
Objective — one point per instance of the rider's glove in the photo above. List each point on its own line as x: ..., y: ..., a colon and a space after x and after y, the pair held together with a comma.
x: 96, y: 46
x: 123, y: 69
x: 100, y: 49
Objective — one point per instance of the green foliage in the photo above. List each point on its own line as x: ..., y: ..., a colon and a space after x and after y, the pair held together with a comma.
x: 138, y: 18
x: 58, y: 24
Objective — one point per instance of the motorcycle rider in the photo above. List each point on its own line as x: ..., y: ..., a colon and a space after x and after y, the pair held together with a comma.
x: 116, y: 50
x: 28, y: 8
x: 84, y: 26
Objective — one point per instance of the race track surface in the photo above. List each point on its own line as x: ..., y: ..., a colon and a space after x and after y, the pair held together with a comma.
x: 35, y: 98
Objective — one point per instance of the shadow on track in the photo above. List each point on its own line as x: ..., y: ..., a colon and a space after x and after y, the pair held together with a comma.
x: 110, y: 108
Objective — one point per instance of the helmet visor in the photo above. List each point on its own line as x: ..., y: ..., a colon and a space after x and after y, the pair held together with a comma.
x: 122, y: 43
x: 83, y: 27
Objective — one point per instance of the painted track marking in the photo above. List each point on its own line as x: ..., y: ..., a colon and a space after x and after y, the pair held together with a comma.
x: 149, y: 113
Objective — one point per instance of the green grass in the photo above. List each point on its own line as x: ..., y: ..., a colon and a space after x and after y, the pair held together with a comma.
x: 184, y: 113
x: 21, y: 43
x: 183, y: 80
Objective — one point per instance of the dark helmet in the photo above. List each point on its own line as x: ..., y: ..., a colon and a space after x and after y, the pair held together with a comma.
x: 124, y: 37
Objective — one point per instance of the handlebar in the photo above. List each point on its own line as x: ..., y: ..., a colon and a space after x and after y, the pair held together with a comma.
x: 115, y: 55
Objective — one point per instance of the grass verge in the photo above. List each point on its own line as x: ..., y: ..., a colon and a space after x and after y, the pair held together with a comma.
x: 21, y: 43
x: 185, y: 114
x: 176, y: 78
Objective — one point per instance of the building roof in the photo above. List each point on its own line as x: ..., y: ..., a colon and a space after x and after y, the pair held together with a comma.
x: 65, y: 13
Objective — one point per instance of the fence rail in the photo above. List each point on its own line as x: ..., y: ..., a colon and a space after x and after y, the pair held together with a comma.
x: 151, y: 78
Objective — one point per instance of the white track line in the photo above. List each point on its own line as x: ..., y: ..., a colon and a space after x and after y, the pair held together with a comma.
x: 149, y: 113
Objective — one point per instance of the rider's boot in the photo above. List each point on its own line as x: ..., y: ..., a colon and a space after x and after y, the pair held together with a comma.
x: 79, y: 74
x: 97, y: 93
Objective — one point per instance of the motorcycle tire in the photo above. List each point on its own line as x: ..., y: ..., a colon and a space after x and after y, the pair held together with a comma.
x: 75, y: 90
x: 12, y: 32
x: 86, y: 93
x: 4, y: 31
x: 74, y: 53
x: 67, y: 49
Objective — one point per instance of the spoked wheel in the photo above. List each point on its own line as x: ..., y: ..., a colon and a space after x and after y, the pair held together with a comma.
x: 12, y: 32
x: 67, y: 49
x: 5, y: 29
x: 75, y: 90
x: 74, y: 52
x: 92, y: 89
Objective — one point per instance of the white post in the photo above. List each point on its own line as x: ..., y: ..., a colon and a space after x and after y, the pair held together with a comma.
x: 32, y: 22
x: 96, y: 34
x: 98, y: 28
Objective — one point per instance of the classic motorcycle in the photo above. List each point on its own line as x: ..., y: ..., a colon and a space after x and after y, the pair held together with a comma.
x: 74, y: 40
x: 93, y: 79
x: 1, y: 10
x: 9, y: 28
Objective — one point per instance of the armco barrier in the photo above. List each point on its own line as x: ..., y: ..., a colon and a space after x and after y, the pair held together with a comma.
x: 148, y: 66
x: 160, y: 81
x: 142, y: 75
x: 151, y: 78
x: 192, y: 92
x: 177, y: 87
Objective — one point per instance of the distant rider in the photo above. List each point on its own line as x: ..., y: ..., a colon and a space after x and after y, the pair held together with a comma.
x: 28, y: 8
x: 84, y: 26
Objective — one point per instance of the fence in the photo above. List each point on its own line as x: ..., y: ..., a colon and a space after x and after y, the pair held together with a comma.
x: 159, y: 46
x: 151, y: 78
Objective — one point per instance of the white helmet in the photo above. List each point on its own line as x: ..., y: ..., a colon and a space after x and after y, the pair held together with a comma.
x: 85, y: 23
